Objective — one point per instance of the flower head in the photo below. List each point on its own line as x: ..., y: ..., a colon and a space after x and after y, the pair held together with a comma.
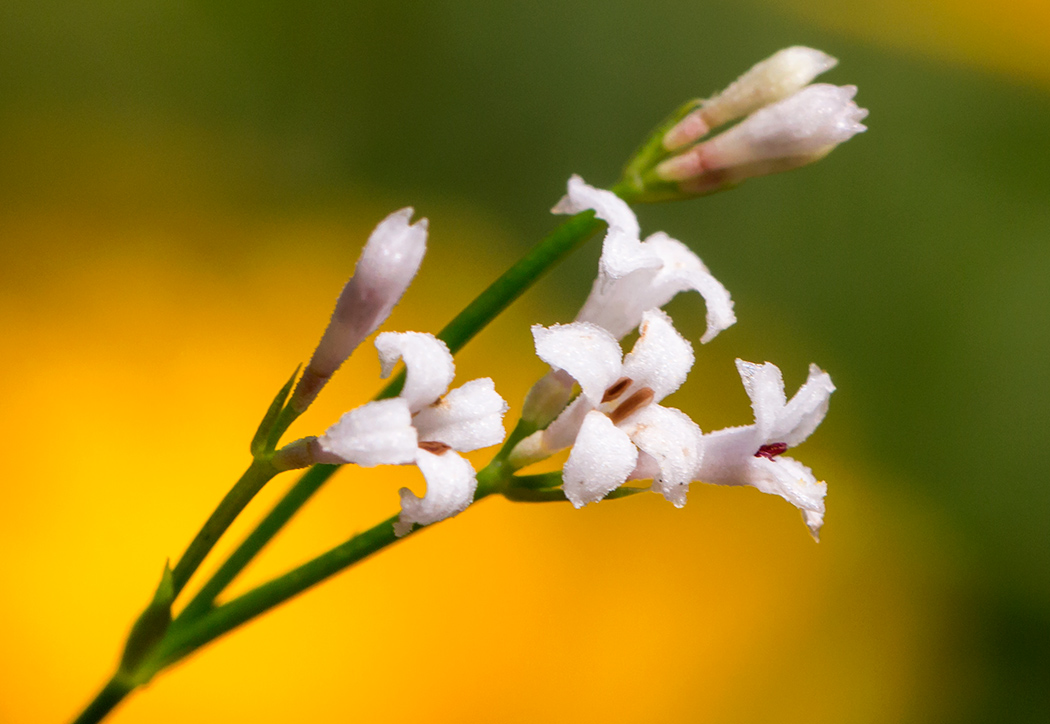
x: 616, y: 427
x: 386, y: 267
x: 635, y: 275
x: 423, y: 426
x: 752, y: 454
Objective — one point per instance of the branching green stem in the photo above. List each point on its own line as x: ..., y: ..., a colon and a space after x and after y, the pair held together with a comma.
x: 201, y: 621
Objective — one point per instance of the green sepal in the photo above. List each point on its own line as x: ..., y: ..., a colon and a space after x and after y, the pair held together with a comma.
x: 150, y: 626
x: 259, y: 442
x: 636, y: 179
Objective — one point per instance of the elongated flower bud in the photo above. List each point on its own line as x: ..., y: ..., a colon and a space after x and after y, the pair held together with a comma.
x: 796, y: 131
x: 384, y: 270
x: 777, y: 77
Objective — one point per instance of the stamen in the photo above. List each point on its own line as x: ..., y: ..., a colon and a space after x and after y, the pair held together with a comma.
x: 632, y: 404
x: 432, y: 446
x: 771, y: 450
x: 616, y: 389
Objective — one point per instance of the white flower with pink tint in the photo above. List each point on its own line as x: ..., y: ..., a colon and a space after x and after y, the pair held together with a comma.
x: 635, y: 275
x: 422, y: 426
x: 753, y: 454
x: 616, y: 427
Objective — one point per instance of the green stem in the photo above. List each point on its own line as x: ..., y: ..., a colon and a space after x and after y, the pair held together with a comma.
x: 281, y: 513
x: 186, y: 636
x: 106, y: 701
x: 254, y: 478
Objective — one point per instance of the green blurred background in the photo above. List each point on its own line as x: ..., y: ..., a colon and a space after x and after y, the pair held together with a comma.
x: 185, y: 186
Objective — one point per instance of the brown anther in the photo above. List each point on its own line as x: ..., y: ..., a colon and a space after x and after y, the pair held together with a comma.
x: 771, y: 450
x: 631, y: 405
x: 616, y: 389
x: 432, y: 446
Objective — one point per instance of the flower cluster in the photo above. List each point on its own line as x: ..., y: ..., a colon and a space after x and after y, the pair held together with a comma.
x: 616, y: 426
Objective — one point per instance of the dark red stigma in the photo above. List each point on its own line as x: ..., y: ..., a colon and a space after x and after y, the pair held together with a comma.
x: 771, y: 450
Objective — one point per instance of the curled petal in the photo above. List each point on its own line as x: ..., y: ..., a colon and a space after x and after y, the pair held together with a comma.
x: 585, y: 351
x: 617, y: 304
x: 765, y: 386
x: 793, y: 482
x: 427, y: 360
x: 673, y: 441
x: 378, y: 433
x: 661, y: 358
x: 807, y: 408
x: 601, y: 459
x: 467, y: 418
x: 450, y: 489
x: 683, y: 271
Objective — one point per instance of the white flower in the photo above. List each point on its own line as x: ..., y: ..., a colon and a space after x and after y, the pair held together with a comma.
x: 617, y: 429
x: 752, y: 454
x: 634, y: 275
x: 793, y: 132
x: 386, y: 267
x: 424, y: 426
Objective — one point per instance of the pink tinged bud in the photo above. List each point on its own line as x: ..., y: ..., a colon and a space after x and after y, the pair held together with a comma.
x: 792, y: 133
x: 384, y: 270
x: 806, y: 124
x: 777, y: 77
x: 691, y: 128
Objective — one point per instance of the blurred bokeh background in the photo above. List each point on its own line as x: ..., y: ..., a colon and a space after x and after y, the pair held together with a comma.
x: 184, y: 188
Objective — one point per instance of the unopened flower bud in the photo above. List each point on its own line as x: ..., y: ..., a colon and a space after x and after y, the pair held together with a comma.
x: 547, y: 398
x: 794, y: 132
x: 384, y: 270
x: 777, y: 77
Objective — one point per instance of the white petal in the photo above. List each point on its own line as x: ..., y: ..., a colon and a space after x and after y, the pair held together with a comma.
x: 563, y: 431
x: 806, y: 409
x: 682, y: 271
x: 674, y: 442
x: 601, y: 459
x: 390, y: 261
x: 427, y: 360
x: 765, y: 386
x: 379, y: 433
x: 585, y: 351
x: 616, y: 305
x: 727, y: 455
x: 794, y: 482
x: 661, y: 358
x: 622, y: 250
x: 450, y: 489
x: 467, y: 418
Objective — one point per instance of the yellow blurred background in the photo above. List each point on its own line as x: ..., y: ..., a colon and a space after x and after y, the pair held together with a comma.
x: 185, y: 191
